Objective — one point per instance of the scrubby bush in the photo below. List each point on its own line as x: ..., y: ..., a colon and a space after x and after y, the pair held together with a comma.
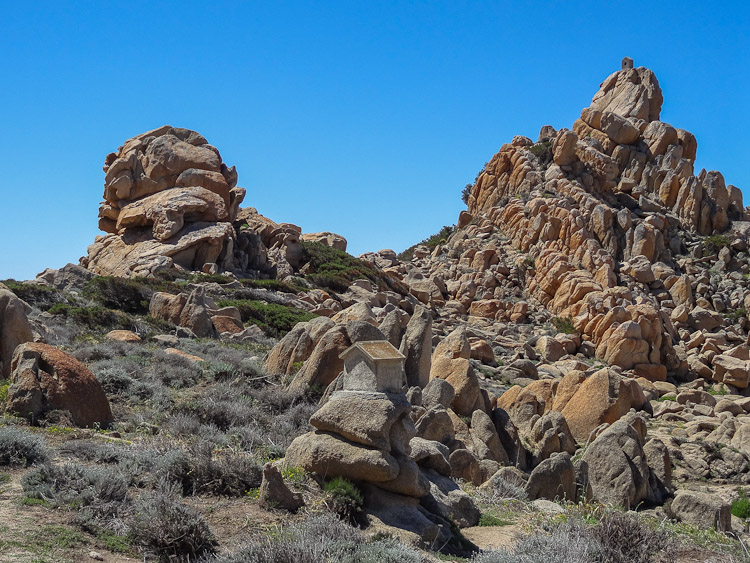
x: 712, y: 244
x: 271, y: 285
x: 75, y: 485
x: 741, y: 505
x: 20, y: 447
x: 95, y: 317
x: 431, y: 242
x: 624, y: 538
x: 131, y: 295
x: 272, y: 318
x: 42, y: 296
x: 564, y: 325
x: 343, y: 498
x: 197, y: 471
x: 567, y: 543
x: 169, y: 529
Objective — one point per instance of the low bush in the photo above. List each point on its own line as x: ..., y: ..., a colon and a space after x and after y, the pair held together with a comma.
x: 197, y: 471
x: 95, y: 317
x: 75, y: 485
x: 321, y: 538
x: 627, y: 539
x: 274, y: 319
x: 334, y: 269
x: 567, y: 543
x: 271, y: 285
x: 169, y: 529
x: 130, y: 295
x: 714, y: 243
x: 343, y: 498
x: 564, y: 325
x: 42, y: 296
x: 741, y: 505
x: 20, y: 447
x: 431, y: 242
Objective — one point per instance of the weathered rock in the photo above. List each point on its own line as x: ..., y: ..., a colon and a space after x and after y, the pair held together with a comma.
x: 364, y: 418
x: 430, y: 454
x: 553, y: 479
x: 416, y: 345
x: 446, y: 499
x: 275, y: 494
x: 604, y: 397
x: 45, y: 378
x: 324, y: 363
x: 331, y: 456
x: 701, y: 509
x: 15, y: 328
x: 617, y: 466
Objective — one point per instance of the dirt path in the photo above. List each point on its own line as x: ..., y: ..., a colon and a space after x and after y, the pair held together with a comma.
x: 493, y: 537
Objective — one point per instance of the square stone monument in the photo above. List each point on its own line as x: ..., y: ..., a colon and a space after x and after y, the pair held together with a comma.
x: 374, y: 366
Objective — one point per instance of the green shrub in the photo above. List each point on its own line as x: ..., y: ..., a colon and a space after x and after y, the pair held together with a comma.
x: 4, y: 386
x: 95, y: 317
x: 466, y: 193
x: 431, y: 242
x: 43, y: 296
x: 169, y: 529
x: 20, y: 447
x: 274, y: 319
x: 344, y: 498
x: 712, y: 244
x: 271, y: 285
x: 487, y: 519
x: 543, y: 152
x: 564, y: 325
x: 741, y: 506
x: 335, y: 269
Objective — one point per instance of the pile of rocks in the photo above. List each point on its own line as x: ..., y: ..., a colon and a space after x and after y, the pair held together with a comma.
x: 364, y: 433
x: 170, y: 201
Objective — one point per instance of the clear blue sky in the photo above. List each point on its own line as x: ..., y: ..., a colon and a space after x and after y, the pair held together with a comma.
x: 363, y: 118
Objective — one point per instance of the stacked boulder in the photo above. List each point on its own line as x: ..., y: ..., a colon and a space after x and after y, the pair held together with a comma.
x: 168, y: 200
x: 171, y: 202
x: 363, y: 432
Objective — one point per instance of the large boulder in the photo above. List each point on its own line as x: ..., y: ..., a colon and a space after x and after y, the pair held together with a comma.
x: 446, y: 499
x: 703, y: 510
x: 416, y: 345
x: 553, y: 479
x: 15, y: 328
x: 169, y: 200
x: 617, y: 466
x: 332, y: 456
x: 45, y: 378
x: 605, y: 396
x: 630, y: 92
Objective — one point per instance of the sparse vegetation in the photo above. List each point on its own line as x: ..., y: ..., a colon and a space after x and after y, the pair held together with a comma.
x: 274, y: 319
x: 344, y: 498
x: 712, y: 244
x: 431, y: 242
x: 21, y: 447
x: 741, y: 505
x: 564, y: 325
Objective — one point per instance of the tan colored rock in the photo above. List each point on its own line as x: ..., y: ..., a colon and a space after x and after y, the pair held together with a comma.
x: 275, y: 494
x: 296, y: 346
x: 191, y: 357
x: 329, y: 239
x: 15, y: 328
x: 619, y: 129
x: 416, y: 345
x: 630, y: 93
x: 564, y: 148
x: 364, y: 418
x: 604, y: 397
x: 659, y: 136
x: 330, y: 456
x: 123, y: 336
x: 324, y: 363
x: 732, y: 371
x: 45, y: 378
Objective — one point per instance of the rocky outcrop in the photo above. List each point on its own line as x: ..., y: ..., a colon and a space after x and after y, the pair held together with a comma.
x: 169, y: 200
x: 15, y: 328
x: 45, y: 379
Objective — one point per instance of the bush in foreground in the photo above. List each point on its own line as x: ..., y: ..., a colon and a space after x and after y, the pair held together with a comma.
x: 20, y: 447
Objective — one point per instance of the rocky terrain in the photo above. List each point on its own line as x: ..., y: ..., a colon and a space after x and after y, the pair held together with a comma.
x: 561, y: 375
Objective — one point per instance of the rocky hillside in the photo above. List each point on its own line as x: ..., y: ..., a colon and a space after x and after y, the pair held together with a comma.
x: 562, y: 375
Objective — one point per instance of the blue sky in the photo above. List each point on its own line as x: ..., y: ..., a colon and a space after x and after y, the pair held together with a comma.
x: 362, y: 118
